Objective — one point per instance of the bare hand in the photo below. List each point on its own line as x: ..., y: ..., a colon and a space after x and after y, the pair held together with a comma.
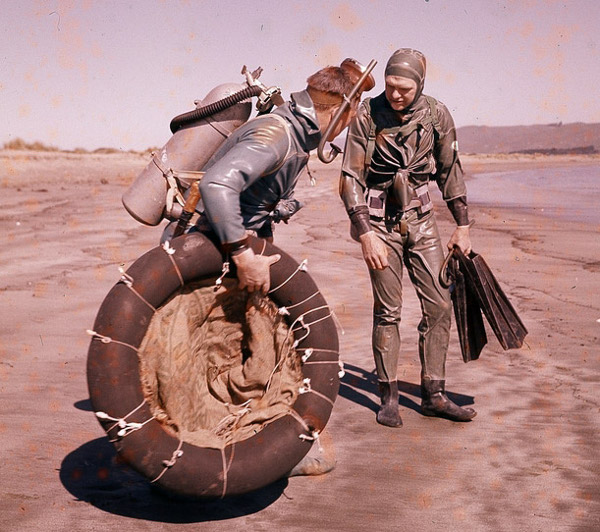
x: 461, y: 238
x: 253, y: 270
x: 375, y: 252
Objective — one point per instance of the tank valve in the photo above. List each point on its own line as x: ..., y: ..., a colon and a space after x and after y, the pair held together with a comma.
x: 268, y: 97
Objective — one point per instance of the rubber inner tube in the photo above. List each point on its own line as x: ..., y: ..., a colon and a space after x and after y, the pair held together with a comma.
x: 116, y: 390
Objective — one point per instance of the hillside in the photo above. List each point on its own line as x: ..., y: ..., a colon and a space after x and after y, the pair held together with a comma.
x: 550, y: 138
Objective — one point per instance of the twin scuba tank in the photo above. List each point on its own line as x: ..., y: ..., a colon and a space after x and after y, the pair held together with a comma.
x: 158, y: 190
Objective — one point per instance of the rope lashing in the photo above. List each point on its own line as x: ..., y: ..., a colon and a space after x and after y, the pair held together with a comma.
x: 301, y: 420
x: 291, y: 330
x: 226, y: 467
x: 230, y: 421
x: 127, y: 280
x: 173, y: 192
x: 284, y: 311
x: 264, y: 246
x: 126, y: 427
x: 170, y: 251
x: 339, y: 363
x: 313, y: 436
x: 312, y: 349
x: 307, y: 388
x: 167, y: 247
x: 224, y: 272
x: 302, y: 267
x: 168, y: 464
x: 108, y: 340
x: 306, y: 326
x: 308, y: 352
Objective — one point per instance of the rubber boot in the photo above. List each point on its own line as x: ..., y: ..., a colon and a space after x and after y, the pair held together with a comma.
x: 389, y: 414
x: 435, y: 402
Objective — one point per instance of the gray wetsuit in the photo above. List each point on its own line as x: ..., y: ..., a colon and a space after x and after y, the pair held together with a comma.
x: 256, y: 167
x: 388, y: 162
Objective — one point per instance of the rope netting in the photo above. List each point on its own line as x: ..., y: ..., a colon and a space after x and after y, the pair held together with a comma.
x: 218, y: 364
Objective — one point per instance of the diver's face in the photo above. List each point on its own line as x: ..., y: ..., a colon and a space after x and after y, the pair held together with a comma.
x: 400, y: 92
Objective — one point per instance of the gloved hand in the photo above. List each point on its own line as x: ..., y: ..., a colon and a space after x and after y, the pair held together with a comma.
x: 253, y: 270
x: 375, y: 252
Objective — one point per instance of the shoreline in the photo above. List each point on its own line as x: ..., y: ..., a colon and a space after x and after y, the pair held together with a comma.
x: 24, y: 167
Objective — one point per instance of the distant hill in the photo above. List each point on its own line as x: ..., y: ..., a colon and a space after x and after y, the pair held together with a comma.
x: 577, y: 137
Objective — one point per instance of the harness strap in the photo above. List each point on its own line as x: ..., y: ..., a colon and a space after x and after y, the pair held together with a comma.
x: 403, y: 131
x: 371, y: 138
x: 435, y: 121
x: 172, y: 177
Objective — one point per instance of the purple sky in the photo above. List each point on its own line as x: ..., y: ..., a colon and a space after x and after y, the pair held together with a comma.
x: 97, y: 73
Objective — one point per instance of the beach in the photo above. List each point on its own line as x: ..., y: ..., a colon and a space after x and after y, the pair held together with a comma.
x: 529, y: 461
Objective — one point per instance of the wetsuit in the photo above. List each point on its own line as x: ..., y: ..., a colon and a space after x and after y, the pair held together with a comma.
x: 388, y: 162
x: 256, y: 167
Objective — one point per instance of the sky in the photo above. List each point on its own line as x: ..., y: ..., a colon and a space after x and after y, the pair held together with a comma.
x: 91, y: 74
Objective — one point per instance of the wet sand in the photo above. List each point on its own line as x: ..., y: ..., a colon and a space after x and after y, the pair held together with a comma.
x: 529, y: 461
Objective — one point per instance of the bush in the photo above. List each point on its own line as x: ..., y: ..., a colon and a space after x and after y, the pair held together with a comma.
x: 20, y: 144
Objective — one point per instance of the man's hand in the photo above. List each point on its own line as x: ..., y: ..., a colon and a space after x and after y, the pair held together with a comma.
x: 461, y: 238
x: 253, y: 270
x: 374, y: 250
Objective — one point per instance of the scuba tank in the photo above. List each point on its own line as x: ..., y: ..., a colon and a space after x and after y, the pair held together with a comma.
x: 157, y: 192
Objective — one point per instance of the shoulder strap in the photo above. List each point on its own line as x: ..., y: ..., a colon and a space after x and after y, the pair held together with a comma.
x: 371, y: 138
x: 435, y: 121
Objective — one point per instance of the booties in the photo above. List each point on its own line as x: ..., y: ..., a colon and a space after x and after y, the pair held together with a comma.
x: 435, y: 402
x: 388, y: 413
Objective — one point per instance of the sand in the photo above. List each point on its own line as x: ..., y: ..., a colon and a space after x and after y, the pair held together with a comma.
x: 529, y: 461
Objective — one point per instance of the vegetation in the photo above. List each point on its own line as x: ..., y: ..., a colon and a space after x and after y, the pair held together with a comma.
x: 21, y: 145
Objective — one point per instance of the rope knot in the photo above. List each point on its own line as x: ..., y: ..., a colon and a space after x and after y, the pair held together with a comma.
x: 224, y: 272
x: 170, y: 463
x: 313, y: 436
x: 103, y: 339
x: 125, y: 278
x: 305, y: 388
x: 167, y: 247
x: 307, y: 354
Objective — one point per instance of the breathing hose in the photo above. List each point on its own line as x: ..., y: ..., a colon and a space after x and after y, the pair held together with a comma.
x: 213, y: 108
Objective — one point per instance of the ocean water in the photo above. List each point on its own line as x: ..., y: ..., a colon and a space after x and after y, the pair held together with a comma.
x: 569, y: 193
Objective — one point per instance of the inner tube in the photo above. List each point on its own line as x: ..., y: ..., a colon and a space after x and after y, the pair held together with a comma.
x: 116, y: 391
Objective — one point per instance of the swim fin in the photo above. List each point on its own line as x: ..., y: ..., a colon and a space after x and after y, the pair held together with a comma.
x: 500, y: 314
x: 467, y: 313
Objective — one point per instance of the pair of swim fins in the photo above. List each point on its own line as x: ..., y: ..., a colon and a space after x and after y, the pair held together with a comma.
x: 476, y: 293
